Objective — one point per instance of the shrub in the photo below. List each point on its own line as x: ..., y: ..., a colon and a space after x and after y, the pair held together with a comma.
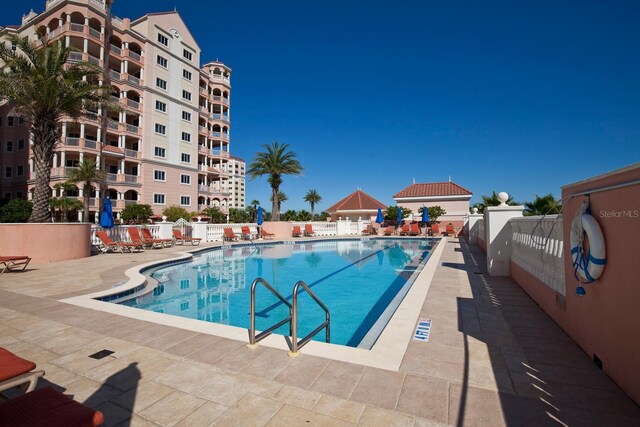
x: 136, y: 214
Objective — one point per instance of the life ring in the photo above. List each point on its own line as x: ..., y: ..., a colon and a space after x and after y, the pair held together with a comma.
x: 587, y: 267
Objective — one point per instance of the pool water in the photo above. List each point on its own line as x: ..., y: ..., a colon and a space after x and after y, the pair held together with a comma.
x: 356, y: 279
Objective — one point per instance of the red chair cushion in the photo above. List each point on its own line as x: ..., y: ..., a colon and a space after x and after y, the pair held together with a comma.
x: 12, y: 365
x: 47, y: 407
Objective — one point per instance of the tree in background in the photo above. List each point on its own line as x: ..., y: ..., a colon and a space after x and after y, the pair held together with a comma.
x: 64, y: 206
x: 239, y: 216
x: 303, y: 216
x: 174, y: 213
x: 434, y: 213
x: 391, y: 213
x: 290, y: 215
x: 136, y: 213
x: 312, y: 197
x: 322, y: 216
x: 216, y: 215
x: 44, y: 87
x: 281, y: 199
x: 15, y: 210
x: 545, y: 205
x: 87, y: 173
x: 492, y: 201
x: 252, y: 209
x: 275, y: 162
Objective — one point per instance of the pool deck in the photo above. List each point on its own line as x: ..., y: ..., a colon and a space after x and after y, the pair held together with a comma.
x: 493, y: 358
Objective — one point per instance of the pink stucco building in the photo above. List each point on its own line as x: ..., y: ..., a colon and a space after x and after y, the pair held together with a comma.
x: 451, y: 197
x: 170, y: 144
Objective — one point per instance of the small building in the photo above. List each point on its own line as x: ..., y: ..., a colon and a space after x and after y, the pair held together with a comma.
x: 451, y: 197
x: 357, y: 205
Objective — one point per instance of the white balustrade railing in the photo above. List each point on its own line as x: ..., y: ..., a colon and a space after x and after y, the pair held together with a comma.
x: 320, y: 228
x: 481, y: 232
x: 537, y: 248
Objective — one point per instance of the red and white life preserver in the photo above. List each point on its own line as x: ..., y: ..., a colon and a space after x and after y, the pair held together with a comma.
x: 587, y: 267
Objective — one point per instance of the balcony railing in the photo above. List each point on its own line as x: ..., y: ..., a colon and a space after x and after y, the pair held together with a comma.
x: 94, y: 33
x: 88, y: 143
x: 202, y: 149
x: 220, y: 153
x: 130, y: 153
x: 132, y: 128
x: 98, y: 3
x: 72, y: 142
x: 133, y: 104
x: 225, y: 118
x: 135, y: 56
x: 225, y: 101
x: 74, y: 56
x: 116, y: 50
x: 134, y: 80
x: 79, y: 28
x: 112, y: 124
x: 216, y: 116
x: 93, y: 60
x: 117, y: 21
x: 130, y: 178
x: 114, y: 75
x: 112, y: 177
x: 91, y: 116
x: 130, y: 202
x: 225, y: 136
x: 115, y: 98
x: 215, y: 134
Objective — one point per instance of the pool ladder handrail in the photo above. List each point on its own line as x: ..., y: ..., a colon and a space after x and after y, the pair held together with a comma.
x: 295, y: 344
x: 253, y: 338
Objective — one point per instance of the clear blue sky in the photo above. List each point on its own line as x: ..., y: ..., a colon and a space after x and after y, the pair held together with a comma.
x: 516, y: 96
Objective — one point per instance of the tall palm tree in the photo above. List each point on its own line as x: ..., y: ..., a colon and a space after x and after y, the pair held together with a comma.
x: 43, y: 88
x: 544, y: 205
x: 275, y: 161
x: 253, y: 209
x: 281, y: 199
x: 87, y: 173
x: 312, y: 197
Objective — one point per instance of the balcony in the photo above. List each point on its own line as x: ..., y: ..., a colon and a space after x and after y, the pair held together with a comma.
x: 72, y: 142
x: 112, y: 177
x: 95, y: 33
x: 116, y: 50
x: 217, y: 98
x: 131, y: 179
x: 131, y: 153
x: 133, y: 104
x: 75, y: 56
x: 88, y: 143
x: 93, y: 60
x: 132, y: 128
x: 216, y: 116
x: 220, y: 153
x: 202, y: 129
x: 203, y: 149
x: 77, y: 28
x: 112, y: 124
x: 135, y: 56
x: 133, y: 79
x: 114, y: 75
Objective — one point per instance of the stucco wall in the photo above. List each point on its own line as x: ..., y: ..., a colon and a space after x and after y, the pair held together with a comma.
x: 46, y: 242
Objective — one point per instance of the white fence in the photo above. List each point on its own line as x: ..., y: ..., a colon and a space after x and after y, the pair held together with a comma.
x: 537, y: 248
x: 319, y: 228
x: 481, y: 234
x: 215, y: 231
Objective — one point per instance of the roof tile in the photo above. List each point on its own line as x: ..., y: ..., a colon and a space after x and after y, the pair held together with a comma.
x: 358, y: 200
x: 433, y: 189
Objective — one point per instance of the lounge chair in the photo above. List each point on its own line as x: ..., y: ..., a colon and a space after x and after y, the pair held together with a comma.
x: 435, y: 230
x: 136, y: 238
x: 450, y: 230
x: 147, y: 236
x: 109, y: 245
x: 404, y: 230
x: 296, y: 231
x: 246, y: 233
x: 14, y: 262
x: 414, y: 229
x: 180, y: 239
x: 389, y: 231
x: 368, y: 231
x: 47, y: 407
x: 229, y: 235
x: 17, y: 372
x: 266, y: 235
x: 308, y: 230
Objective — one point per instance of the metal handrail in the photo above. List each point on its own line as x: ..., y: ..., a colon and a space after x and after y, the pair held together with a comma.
x: 295, y: 344
x: 253, y: 338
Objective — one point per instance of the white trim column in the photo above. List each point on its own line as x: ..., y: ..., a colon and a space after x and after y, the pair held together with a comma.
x: 499, y: 235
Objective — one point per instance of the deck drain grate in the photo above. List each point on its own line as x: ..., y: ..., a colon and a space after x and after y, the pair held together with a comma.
x: 477, y: 272
x: 101, y: 354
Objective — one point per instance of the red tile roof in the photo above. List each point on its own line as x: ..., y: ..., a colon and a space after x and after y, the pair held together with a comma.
x: 358, y: 200
x: 433, y: 189
x: 112, y: 149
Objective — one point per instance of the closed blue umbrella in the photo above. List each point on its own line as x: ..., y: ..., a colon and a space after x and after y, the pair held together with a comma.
x: 106, y: 219
x: 399, y: 216
x: 379, y: 218
x: 259, y: 220
x: 425, y: 215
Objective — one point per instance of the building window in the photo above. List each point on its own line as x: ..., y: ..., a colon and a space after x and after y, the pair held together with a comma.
x: 187, y: 55
x: 184, y: 284
x: 186, y: 137
x: 160, y: 152
x: 162, y: 39
x: 186, y: 116
x: 21, y: 144
x: 185, y: 200
x: 8, y: 172
x: 161, y: 129
x: 161, y: 106
x: 186, y: 95
x: 186, y: 158
x: 159, y: 175
x: 185, y: 179
x: 158, y: 199
x: 162, y: 84
x: 19, y: 170
x: 9, y: 145
x: 9, y: 120
x: 186, y: 74
x: 162, y: 61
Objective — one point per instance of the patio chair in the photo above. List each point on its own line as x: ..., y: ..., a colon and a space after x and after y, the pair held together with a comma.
x: 246, y: 233
x: 147, y: 236
x: 368, y: 231
x: 414, y: 229
x: 308, y: 230
x: 389, y: 231
x: 296, y: 231
x: 180, y: 239
x: 106, y: 244
x: 136, y: 238
x: 266, y: 235
x: 450, y: 230
x: 17, y: 372
x: 435, y: 230
x: 48, y: 407
x: 229, y: 235
x: 404, y: 230
x: 14, y: 262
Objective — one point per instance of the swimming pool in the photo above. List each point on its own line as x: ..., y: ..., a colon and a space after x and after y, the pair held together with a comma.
x: 362, y: 281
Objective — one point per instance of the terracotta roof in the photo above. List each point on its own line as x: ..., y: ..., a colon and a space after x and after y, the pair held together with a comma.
x: 358, y: 200
x: 112, y: 149
x: 433, y: 189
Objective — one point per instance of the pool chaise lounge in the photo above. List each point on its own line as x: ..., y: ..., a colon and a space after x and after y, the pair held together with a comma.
x: 14, y: 263
x: 147, y: 236
x: 17, y: 372
x: 180, y: 239
x: 308, y: 230
x: 266, y: 235
x: 229, y: 235
x: 246, y: 233
x: 296, y: 231
x: 106, y: 244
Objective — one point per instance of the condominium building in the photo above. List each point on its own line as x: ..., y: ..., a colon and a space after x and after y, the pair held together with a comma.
x: 169, y: 145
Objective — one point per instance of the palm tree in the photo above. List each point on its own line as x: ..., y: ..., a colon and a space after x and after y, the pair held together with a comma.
x: 65, y: 204
x: 43, y: 88
x: 281, y: 199
x: 312, y: 197
x: 252, y: 209
x: 87, y: 173
x: 543, y: 206
x: 275, y: 161
x: 492, y: 201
